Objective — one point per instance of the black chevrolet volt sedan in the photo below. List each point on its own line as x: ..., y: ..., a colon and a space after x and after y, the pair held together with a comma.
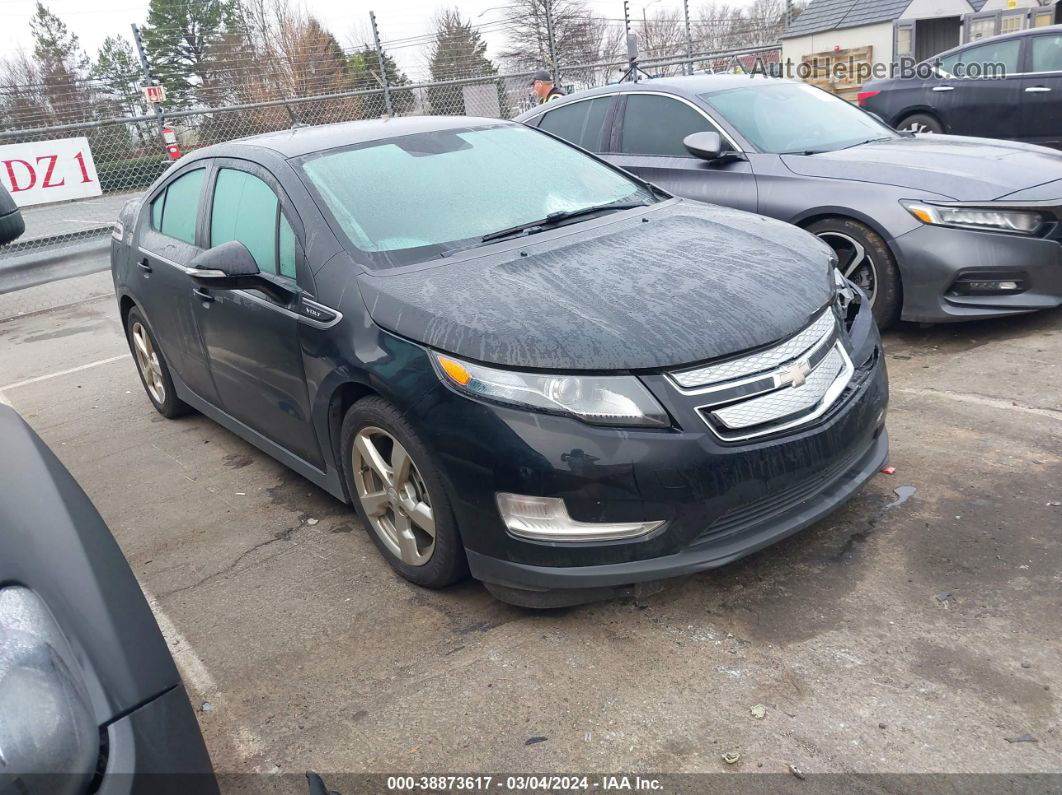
x: 513, y: 358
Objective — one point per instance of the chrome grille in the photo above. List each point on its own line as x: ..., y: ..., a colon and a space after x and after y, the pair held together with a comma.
x: 783, y: 387
x: 759, y: 362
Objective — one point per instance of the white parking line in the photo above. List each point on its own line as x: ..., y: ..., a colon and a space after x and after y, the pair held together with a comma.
x: 199, y: 680
x: 981, y: 400
x: 193, y: 670
x: 78, y: 369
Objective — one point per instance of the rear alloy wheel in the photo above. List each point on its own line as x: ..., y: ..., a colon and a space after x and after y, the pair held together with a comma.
x: 864, y: 259
x: 152, y: 367
x: 400, y: 496
x: 921, y: 123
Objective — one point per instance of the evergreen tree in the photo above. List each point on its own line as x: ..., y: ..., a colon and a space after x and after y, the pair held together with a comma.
x: 458, y: 53
x: 118, y: 76
x: 179, y: 38
x: 63, y: 66
x: 365, y: 74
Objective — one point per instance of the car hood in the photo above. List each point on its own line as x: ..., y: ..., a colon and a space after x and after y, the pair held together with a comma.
x: 965, y: 169
x: 676, y: 283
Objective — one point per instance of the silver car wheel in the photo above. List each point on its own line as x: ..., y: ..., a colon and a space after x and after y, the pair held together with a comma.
x: 393, y: 495
x: 147, y: 361
x: 917, y: 127
x: 853, y: 261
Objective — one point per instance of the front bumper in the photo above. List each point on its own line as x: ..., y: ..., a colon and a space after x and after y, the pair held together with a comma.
x: 932, y: 257
x: 751, y: 537
x: 719, y: 501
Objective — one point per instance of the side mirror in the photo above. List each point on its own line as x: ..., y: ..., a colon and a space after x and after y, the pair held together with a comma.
x: 705, y: 145
x: 11, y: 223
x: 230, y: 266
x: 229, y: 261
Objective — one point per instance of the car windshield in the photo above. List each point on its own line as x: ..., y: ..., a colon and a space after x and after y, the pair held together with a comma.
x: 413, y: 197
x: 794, y: 118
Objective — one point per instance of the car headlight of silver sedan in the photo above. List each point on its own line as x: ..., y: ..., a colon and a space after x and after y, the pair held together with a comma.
x: 595, y: 399
x: 983, y: 218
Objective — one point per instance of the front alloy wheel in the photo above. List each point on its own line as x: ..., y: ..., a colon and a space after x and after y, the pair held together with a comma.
x: 853, y: 261
x: 400, y: 494
x: 393, y: 495
x: 864, y: 258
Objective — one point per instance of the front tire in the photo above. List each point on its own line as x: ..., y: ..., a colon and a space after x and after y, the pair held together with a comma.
x: 921, y: 123
x: 154, y: 372
x: 864, y: 258
x: 399, y: 495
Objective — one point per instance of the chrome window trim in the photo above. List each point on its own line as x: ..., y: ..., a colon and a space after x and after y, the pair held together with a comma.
x: 301, y: 318
x: 166, y: 260
x: 257, y: 299
x: 726, y: 136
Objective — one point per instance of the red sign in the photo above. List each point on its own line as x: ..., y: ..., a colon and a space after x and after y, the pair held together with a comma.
x: 48, y: 171
x: 154, y: 93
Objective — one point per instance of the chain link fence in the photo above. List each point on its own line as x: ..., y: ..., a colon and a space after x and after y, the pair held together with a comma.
x: 129, y: 154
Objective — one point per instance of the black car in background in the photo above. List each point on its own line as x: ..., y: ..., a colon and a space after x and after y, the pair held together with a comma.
x: 513, y: 358
x: 933, y: 228
x: 1023, y: 102
x: 90, y: 699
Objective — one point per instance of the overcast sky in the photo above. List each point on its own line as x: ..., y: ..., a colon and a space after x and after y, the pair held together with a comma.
x: 398, y: 20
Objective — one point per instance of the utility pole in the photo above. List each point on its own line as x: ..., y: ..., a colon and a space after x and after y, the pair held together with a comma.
x: 689, y: 34
x: 383, y: 65
x: 554, y: 67
x: 149, y: 78
x: 788, y: 13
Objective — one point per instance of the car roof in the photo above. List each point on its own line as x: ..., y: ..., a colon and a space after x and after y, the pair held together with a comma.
x: 299, y: 141
x: 688, y: 86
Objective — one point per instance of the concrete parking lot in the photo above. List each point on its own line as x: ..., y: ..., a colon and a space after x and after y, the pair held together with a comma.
x: 917, y: 630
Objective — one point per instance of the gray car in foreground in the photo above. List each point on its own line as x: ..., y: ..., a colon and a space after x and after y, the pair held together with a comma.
x: 934, y: 228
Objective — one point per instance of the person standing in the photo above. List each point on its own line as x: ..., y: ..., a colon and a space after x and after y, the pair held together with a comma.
x: 542, y: 85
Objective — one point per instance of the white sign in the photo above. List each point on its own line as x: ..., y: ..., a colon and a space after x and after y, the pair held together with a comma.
x: 48, y: 171
x: 154, y: 93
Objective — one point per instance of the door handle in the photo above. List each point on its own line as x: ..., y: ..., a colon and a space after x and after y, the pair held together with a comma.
x: 202, y: 294
x: 1037, y: 90
x: 144, y: 265
x: 943, y: 88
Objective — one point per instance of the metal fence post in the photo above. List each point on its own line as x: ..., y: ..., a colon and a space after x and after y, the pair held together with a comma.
x: 149, y: 77
x: 383, y: 64
x: 551, y: 42
x: 689, y: 35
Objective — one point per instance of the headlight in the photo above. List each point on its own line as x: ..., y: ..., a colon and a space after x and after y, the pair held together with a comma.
x: 598, y: 400
x: 974, y: 218
x: 46, y: 721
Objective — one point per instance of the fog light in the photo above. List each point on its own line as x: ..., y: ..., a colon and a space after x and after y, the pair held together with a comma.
x: 982, y: 285
x: 546, y: 519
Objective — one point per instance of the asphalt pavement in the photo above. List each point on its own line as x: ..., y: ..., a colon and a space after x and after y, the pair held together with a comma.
x: 916, y: 630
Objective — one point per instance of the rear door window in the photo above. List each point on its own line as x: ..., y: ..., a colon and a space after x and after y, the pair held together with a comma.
x: 997, y: 59
x: 656, y: 125
x: 579, y: 122
x: 175, y: 210
x: 1047, y: 53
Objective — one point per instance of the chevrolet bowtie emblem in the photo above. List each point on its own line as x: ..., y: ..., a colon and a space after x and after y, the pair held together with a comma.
x: 795, y: 375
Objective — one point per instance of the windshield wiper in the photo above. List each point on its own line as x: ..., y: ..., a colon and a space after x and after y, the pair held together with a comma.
x: 553, y: 219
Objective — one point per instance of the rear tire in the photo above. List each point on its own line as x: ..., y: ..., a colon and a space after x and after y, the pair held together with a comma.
x: 150, y: 363
x: 921, y: 123
x: 865, y: 259
x: 400, y: 496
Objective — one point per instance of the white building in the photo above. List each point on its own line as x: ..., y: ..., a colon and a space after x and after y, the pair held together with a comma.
x: 894, y: 29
